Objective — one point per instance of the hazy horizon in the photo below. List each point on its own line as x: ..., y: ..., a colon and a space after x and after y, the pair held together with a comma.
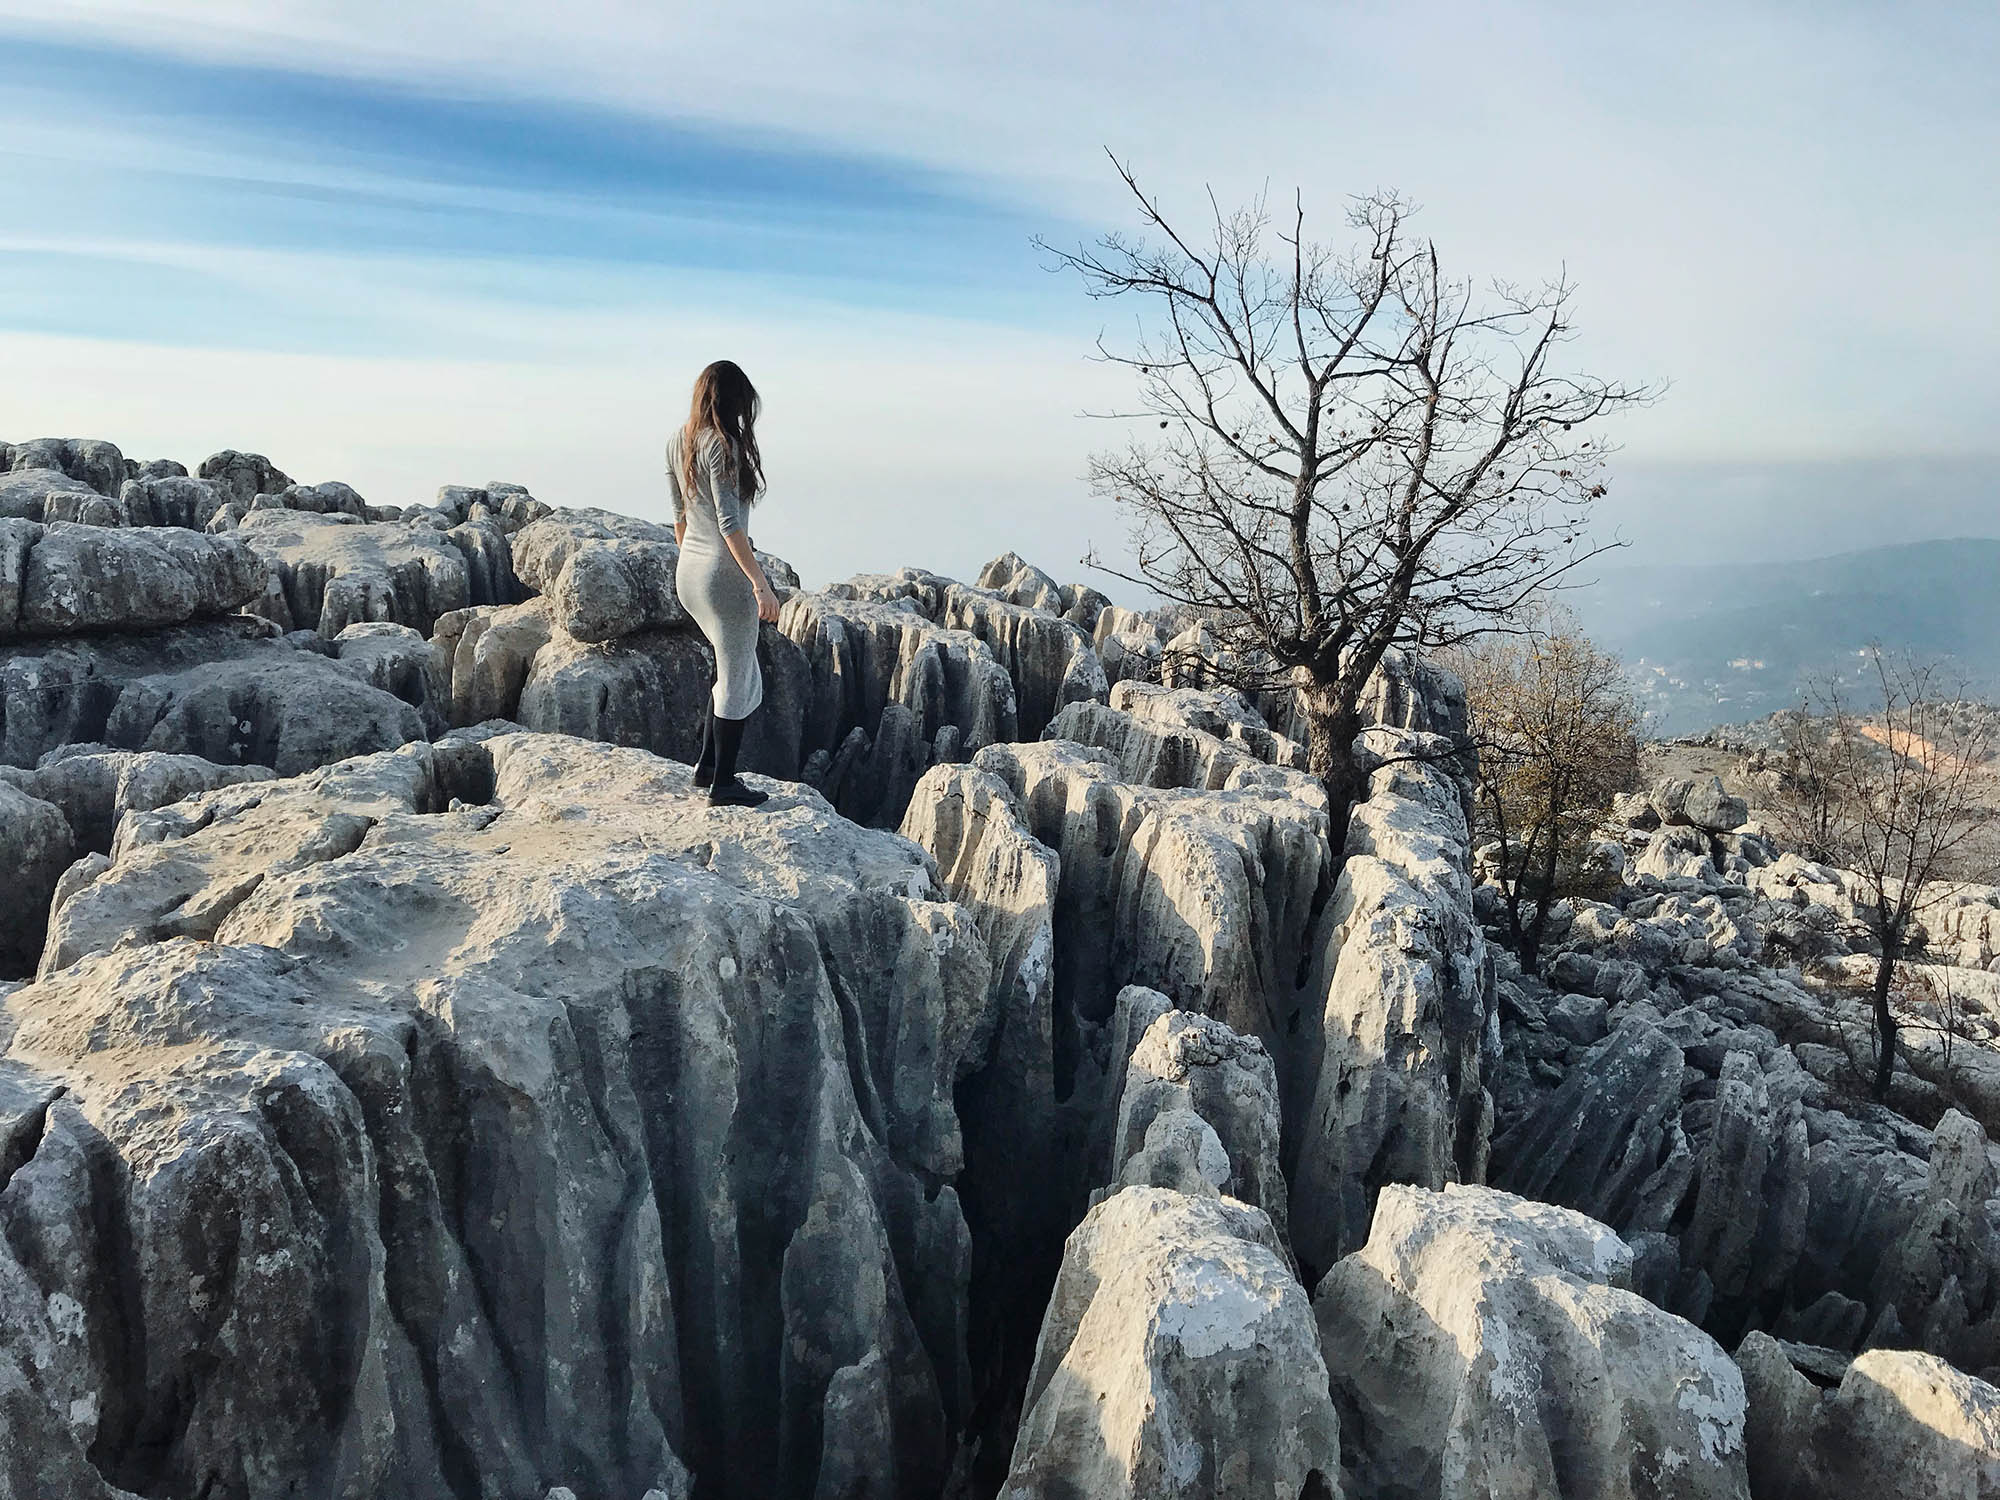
x: 409, y: 246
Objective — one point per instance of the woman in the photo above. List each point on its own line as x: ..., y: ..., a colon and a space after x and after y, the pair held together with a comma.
x: 715, y: 473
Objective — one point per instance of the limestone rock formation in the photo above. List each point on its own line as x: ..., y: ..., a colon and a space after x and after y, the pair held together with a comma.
x: 328, y: 571
x: 1198, y: 1112
x: 36, y: 846
x: 222, y: 690
x: 242, y: 477
x: 90, y: 462
x: 411, y: 1219
x: 1049, y: 659
x: 1390, y: 1085
x: 1178, y: 1358
x: 1207, y: 896
x: 1899, y: 1423
x: 51, y: 495
x: 63, y: 579
x: 484, y: 655
x: 178, y: 500
x: 1483, y: 1345
x: 95, y: 787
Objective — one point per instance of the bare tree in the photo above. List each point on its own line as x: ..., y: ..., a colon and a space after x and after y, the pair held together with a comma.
x: 1557, y: 733
x: 1895, y: 796
x: 1353, y: 450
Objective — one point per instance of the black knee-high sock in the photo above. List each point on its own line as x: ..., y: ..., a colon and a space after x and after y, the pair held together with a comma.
x: 728, y: 741
x: 704, y: 766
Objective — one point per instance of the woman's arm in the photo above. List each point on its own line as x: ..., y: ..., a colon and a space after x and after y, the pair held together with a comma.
x: 746, y: 559
x: 729, y: 521
x: 674, y: 492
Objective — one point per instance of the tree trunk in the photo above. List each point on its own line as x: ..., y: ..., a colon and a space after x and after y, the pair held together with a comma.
x: 1885, y: 1020
x: 1331, y: 725
x: 1531, y: 950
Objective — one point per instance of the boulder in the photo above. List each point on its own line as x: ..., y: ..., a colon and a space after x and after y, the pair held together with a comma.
x: 1678, y: 852
x: 565, y: 1138
x: 865, y: 654
x: 95, y: 788
x: 509, y: 504
x: 242, y: 477
x: 1018, y: 581
x: 1178, y: 1358
x: 50, y: 494
x: 221, y: 690
x: 1191, y: 1080
x: 36, y: 847
x: 91, y: 462
x: 1218, y: 713
x: 1149, y: 753
x: 1049, y: 659
x: 395, y: 659
x: 485, y: 655
x: 329, y: 571
x: 616, y: 587
x: 1484, y: 1345
x: 177, y: 500
x: 63, y: 579
x: 1699, y: 802
x: 1206, y: 896
x: 1899, y: 1423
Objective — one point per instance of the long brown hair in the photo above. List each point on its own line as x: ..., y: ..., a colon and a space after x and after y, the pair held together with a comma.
x: 725, y: 403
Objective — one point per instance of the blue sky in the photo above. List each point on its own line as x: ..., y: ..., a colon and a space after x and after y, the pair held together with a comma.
x: 406, y: 244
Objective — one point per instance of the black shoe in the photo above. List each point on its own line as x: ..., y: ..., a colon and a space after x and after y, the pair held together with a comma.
x: 733, y: 793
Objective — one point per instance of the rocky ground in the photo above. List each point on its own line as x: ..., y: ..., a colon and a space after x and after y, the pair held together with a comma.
x: 408, y: 1086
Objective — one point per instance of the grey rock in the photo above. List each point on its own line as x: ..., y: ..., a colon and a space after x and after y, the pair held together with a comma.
x: 1482, y: 1344
x: 242, y: 477
x: 864, y: 655
x: 27, y: 494
x: 329, y: 571
x: 1178, y: 1358
x: 330, y: 499
x: 401, y: 663
x: 1581, y: 1018
x: 1699, y: 802
x: 95, y: 787
x: 91, y: 462
x: 64, y: 579
x: 173, y: 500
x: 1398, y: 1094
x: 1220, y: 714
x: 1193, y: 1081
x: 36, y: 846
x: 610, y: 1137
x: 1018, y: 581
x: 1206, y: 896
x: 485, y: 655
x: 1900, y: 1423
x: 1049, y: 659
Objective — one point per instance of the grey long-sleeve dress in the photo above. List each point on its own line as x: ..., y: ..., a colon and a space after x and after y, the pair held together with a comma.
x: 710, y: 584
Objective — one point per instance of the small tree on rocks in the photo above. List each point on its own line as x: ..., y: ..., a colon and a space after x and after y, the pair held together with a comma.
x: 1895, y: 795
x: 1345, y: 450
x: 1557, y: 733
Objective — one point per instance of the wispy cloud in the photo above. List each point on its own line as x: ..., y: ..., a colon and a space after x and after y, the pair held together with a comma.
x: 190, y: 179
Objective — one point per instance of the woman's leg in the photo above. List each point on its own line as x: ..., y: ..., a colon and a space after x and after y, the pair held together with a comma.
x: 704, y: 766
x: 727, y: 791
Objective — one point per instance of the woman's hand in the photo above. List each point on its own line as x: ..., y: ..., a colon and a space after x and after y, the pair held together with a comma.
x: 767, y: 601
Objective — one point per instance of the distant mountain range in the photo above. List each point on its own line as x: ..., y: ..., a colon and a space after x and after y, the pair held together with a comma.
x: 1728, y: 642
